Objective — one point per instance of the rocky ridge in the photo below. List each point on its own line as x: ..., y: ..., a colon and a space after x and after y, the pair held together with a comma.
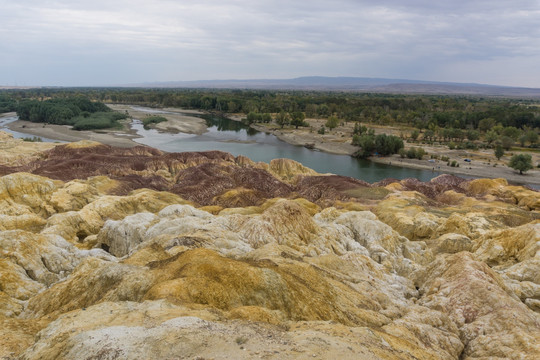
x: 133, y: 253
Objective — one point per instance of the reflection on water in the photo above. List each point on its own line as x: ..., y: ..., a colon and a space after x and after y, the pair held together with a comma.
x: 238, y: 139
x: 224, y: 124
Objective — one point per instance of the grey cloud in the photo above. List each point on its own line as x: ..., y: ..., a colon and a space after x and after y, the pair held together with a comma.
x: 433, y: 40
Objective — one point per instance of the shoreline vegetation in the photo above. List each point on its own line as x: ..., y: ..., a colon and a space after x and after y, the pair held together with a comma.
x: 462, y: 152
x: 483, y: 162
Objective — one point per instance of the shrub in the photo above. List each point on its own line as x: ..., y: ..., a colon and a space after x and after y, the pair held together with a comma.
x: 499, y: 152
x: 359, y: 129
x: 387, y: 144
x: 507, y: 142
x: 266, y: 118
x: 332, y: 122
x: 147, y: 121
x: 411, y: 153
x: 382, y: 144
x: 32, y: 139
x: 98, y: 120
x: 366, y: 142
x: 420, y: 153
x: 471, y: 145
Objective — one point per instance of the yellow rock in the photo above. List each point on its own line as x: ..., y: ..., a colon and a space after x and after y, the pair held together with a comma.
x: 16, y: 152
x: 75, y: 226
x: 82, y: 144
x: 23, y: 193
x: 406, y: 213
x: 511, y: 245
x: 287, y: 169
x: 394, y: 275
x: 492, y: 321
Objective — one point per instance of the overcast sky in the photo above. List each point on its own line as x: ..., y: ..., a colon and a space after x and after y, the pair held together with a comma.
x: 108, y: 42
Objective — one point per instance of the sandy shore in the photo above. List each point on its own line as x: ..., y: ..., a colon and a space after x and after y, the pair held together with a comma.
x: 328, y: 143
x: 483, y: 163
x: 332, y: 142
x: 120, y: 138
x: 474, y: 169
x: 337, y: 141
x: 176, y: 122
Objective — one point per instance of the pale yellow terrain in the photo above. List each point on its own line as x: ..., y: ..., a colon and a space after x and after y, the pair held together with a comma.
x: 398, y: 271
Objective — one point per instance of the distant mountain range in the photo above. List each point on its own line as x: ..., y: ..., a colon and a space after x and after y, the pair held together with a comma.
x: 379, y: 85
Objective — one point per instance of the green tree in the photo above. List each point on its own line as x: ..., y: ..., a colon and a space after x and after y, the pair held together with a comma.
x: 507, y: 142
x: 359, y: 129
x: 511, y: 132
x: 522, y: 140
x: 458, y: 134
x: 415, y: 134
x: 491, y: 136
x: 266, y: 118
x: 486, y: 124
x: 498, y: 129
x: 282, y: 118
x: 332, y: 122
x: 429, y: 135
x: 420, y: 152
x: 387, y: 144
x: 252, y: 117
x: 499, y: 152
x: 447, y: 133
x: 297, y: 119
x: 473, y: 135
x: 521, y: 162
x: 532, y: 137
x: 323, y: 110
x: 311, y: 110
x: 366, y: 143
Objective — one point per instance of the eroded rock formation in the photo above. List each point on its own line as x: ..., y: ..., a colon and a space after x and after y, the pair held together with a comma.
x: 132, y: 253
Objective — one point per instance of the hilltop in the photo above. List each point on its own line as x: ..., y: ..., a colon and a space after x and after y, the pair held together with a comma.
x: 361, y: 84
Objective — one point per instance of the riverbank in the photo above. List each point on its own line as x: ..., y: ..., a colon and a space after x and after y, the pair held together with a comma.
x: 483, y: 163
x: 338, y: 141
x: 474, y: 169
x: 177, y: 120
x: 115, y: 137
x: 332, y: 143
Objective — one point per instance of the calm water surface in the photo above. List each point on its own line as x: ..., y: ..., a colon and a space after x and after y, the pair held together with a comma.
x: 234, y: 137
x: 18, y: 135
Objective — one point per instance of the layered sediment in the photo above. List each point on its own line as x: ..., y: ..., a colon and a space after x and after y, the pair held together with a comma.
x: 133, y: 253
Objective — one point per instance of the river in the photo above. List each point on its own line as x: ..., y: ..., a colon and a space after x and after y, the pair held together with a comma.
x: 4, y: 121
x: 236, y: 138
